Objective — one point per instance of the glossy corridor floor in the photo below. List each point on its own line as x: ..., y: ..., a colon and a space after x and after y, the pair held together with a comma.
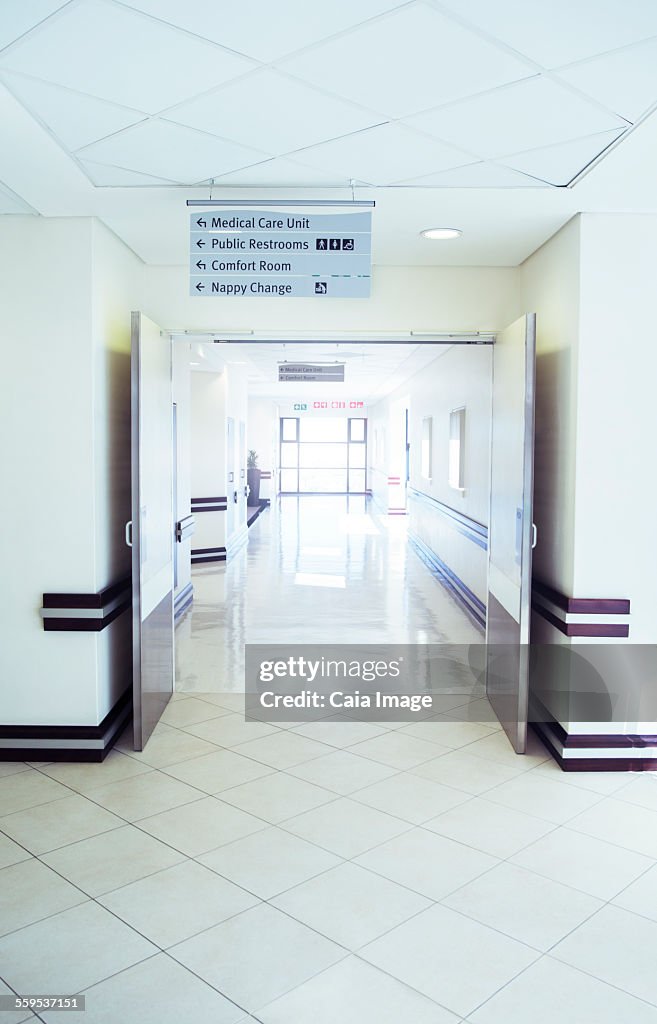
x: 333, y: 872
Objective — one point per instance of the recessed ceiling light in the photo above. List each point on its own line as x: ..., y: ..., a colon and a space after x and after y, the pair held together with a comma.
x: 194, y: 364
x: 441, y: 233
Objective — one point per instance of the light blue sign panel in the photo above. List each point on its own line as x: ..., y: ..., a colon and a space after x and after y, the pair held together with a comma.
x: 268, y: 221
x: 252, y: 253
x: 304, y: 265
x: 208, y: 242
x: 220, y: 287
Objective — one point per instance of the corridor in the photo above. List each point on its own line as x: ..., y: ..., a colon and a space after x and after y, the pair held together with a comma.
x: 367, y: 873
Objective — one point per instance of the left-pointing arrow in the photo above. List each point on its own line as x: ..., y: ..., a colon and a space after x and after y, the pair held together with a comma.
x: 200, y: 243
x: 200, y: 264
x: 200, y: 287
x: 201, y: 223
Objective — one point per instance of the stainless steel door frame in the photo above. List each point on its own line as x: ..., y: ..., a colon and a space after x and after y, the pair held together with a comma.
x: 511, y: 533
x: 151, y: 528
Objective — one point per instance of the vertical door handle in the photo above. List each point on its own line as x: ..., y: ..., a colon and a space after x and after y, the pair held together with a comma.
x: 128, y: 533
x: 534, y: 535
x: 235, y: 497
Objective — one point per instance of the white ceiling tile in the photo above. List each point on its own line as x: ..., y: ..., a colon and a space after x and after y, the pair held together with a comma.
x: 301, y: 116
x: 262, y: 28
x: 121, y: 56
x: 624, y: 81
x: 19, y: 16
x: 102, y: 174
x: 170, y: 151
x: 479, y: 175
x: 560, y: 32
x: 382, y: 155
x: 410, y: 60
x: 284, y: 173
x: 559, y: 164
x: 11, y: 203
x: 73, y: 117
x: 536, y: 112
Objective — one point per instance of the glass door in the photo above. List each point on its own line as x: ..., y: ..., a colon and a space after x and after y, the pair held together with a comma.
x: 323, y: 455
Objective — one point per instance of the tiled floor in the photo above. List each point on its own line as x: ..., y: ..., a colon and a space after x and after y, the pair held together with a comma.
x: 285, y: 873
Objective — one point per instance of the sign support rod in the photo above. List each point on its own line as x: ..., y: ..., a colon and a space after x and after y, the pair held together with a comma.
x: 259, y: 203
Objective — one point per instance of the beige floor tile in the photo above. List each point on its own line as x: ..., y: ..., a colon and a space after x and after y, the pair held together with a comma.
x: 462, y: 771
x: 626, y: 825
x: 230, y: 730
x: 12, y: 768
x: 29, y: 892
x: 86, y: 777
x: 70, y: 951
x: 156, y: 991
x: 257, y: 956
x: 398, y: 750
x: 496, y: 747
x: 191, y: 711
x: 449, y: 958
x: 604, y: 783
x: 28, y: 789
x: 354, y: 992
x: 642, y: 791
x: 549, y: 991
x: 641, y: 896
x: 338, y: 733
x: 283, y: 749
x: 543, y: 798
x: 350, y: 905
x: 277, y: 797
x: 523, y: 905
x: 14, y: 1016
x: 427, y: 863
x: 216, y: 772
x: 342, y: 772
x: 492, y: 828
x: 345, y: 827
x: 409, y: 797
x: 446, y: 733
x: 145, y: 795
x: 113, y: 859
x: 617, y: 947
x: 174, y: 904
x: 269, y: 862
x: 49, y: 826
x: 590, y: 865
x: 201, y: 826
x: 171, y: 746
x: 11, y: 852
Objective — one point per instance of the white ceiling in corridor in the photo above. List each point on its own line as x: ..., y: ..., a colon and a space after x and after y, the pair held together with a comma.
x: 145, y: 95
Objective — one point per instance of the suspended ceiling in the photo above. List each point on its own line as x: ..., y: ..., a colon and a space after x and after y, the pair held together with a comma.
x: 460, y: 112
x: 371, y: 371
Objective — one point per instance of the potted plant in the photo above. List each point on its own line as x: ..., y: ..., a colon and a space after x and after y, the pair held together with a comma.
x: 253, y: 477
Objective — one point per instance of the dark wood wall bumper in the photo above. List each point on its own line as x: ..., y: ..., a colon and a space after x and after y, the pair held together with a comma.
x: 86, y: 613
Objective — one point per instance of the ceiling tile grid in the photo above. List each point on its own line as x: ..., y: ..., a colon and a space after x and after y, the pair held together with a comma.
x: 456, y: 96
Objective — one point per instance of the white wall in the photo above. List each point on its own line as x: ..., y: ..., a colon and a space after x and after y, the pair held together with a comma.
x: 616, y: 497
x: 403, y: 298
x: 66, y: 289
x: 458, y: 376
x: 208, y: 454
x: 262, y: 437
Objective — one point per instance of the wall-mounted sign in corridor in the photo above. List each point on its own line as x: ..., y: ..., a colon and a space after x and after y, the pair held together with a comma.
x: 251, y: 253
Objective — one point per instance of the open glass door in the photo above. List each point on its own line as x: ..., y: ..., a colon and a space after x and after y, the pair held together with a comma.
x: 152, y: 525
x: 511, y: 532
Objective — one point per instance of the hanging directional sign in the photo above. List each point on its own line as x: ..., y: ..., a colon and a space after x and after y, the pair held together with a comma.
x: 252, y: 253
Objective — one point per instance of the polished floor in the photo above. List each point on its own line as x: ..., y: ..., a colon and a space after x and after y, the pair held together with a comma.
x: 333, y: 871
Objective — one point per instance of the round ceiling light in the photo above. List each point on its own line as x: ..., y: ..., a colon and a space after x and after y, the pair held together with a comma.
x: 441, y: 233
